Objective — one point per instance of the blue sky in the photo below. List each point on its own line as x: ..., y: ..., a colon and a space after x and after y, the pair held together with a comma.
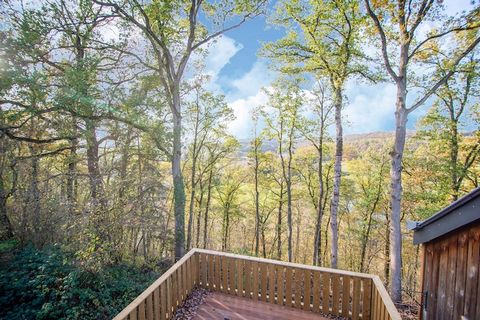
x: 238, y: 72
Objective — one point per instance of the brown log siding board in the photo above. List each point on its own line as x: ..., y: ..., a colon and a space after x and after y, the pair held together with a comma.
x: 451, y: 260
x: 460, y: 271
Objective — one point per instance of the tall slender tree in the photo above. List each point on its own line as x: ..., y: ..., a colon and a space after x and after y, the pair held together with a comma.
x: 207, y: 116
x: 255, y: 154
x: 315, y: 131
x: 324, y: 39
x: 401, y: 50
x: 175, y: 31
x: 285, y: 102
x: 453, y: 112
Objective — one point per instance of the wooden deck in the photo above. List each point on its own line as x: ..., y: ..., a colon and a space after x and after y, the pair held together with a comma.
x: 286, y: 290
x: 219, y: 306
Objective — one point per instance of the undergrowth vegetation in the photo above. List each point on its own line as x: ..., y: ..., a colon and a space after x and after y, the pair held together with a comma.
x: 47, y: 284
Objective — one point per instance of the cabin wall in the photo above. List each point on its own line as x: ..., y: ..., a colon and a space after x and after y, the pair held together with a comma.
x: 451, y: 286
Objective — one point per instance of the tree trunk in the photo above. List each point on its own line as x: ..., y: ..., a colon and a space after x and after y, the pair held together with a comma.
x: 199, y: 216
x: 365, y: 238
x: 226, y: 226
x: 140, y: 191
x: 190, y: 216
x: 35, y: 205
x: 325, y: 249
x: 257, y: 201
x: 123, y: 165
x: 207, y: 208
x: 279, y: 224
x: 455, y: 185
x: 317, y: 252
x: 264, y: 242
x: 7, y: 231
x: 337, y: 175
x: 192, y: 181
x: 95, y: 178
x: 178, y: 186
x: 396, y: 193
x: 289, y: 197
x: 191, y: 205
x: 386, y: 267
x: 368, y: 227
x: 297, y: 244
x: 72, y: 170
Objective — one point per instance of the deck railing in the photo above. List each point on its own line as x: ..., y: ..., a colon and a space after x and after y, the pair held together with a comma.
x: 329, y: 291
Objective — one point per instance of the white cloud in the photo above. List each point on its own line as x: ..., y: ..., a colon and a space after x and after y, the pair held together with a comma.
x: 251, y: 82
x: 369, y: 107
x: 247, y: 94
x: 242, y: 126
x: 219, y: 54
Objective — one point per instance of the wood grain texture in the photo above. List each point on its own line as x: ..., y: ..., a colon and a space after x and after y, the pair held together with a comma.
x: 163, y: 302
x: 345, y: 296
x: 224, y: 274
x: 149, y: 307
x: 232, y: 285
x: 367, y: 296
x: 211, y: 277
x: 325, y: 292
x: 218, y: 274
x: 307, y: 280
x: 335, y: 294
x: 220, y: 306
x: 263, y: 273
x: 288, y: 286
x: 450, y: 279
x: 316, y: 291
x: 271, y: 283
x: 255, y: 280
x: 240, y: 277
x: 248, y: 278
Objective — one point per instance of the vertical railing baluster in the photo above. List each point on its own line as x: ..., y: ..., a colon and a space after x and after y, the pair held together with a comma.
x: 263, y: 273
x: 248, y: 278
x: 326, y: 293
x: 307, y: 283
x: 345, y: 296
x: 288, y: 286
x: 271, y: 283
x: 316, y: 291
x: 218, y: 273
x: 255, y: 280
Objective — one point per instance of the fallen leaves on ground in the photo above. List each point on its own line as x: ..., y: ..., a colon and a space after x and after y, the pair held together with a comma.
x: 190, y: 306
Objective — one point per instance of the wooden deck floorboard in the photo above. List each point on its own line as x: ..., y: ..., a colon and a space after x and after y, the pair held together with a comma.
x: 219, y: 306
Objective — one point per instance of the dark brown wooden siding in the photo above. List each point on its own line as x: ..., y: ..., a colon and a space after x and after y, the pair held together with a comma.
x: 451, y: 275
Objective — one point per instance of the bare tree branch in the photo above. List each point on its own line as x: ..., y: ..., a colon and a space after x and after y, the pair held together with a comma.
x: 383, y: 38
x: 445, y: 77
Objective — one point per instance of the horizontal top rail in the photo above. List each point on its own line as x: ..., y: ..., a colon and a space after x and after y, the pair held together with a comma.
x: 387, y: 301
x: 288, y: 264
x: 125, y: 312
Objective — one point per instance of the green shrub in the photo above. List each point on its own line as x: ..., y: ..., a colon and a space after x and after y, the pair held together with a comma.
x: 47, y: 284
x: 8, y: 245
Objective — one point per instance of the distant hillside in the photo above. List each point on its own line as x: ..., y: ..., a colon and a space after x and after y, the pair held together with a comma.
x: 354, y: 143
